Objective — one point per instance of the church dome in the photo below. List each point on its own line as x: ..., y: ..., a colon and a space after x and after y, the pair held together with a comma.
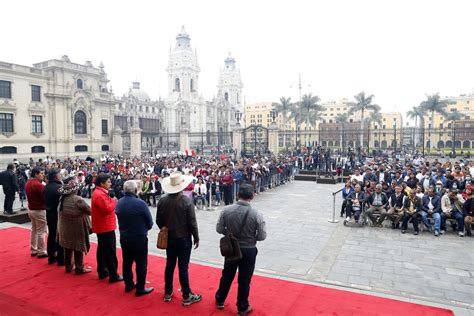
x: 138, y: 93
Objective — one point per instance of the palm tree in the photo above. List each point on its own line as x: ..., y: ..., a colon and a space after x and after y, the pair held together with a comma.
x: 295, y: 114
x: 433, y: 103
x: 376, y: 118
x: 416, y: 113
x: 363, y: 104
x: 284, y: 107
x: 453, y: 117
x: 342, y: 119
x: 310, y: 109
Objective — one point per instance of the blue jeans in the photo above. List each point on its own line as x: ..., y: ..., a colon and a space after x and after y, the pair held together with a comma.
x: 179, y: 249
x: 437, y: 217
x: 459, y: 219
x: 424, y: 219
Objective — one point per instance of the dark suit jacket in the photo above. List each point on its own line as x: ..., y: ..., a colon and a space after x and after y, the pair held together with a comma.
x: 9, y: 182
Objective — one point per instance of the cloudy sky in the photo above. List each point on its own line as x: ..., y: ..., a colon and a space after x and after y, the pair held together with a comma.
x: 396, y: 50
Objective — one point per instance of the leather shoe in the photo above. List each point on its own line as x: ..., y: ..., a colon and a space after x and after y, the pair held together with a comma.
x: 83, y: 271
x: 41, y: 256
x: 116, y: 279
x: 145, y: 291
x: 130, y: 288
x: 101, y: 277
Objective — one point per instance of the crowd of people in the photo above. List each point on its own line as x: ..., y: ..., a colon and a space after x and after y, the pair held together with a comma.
x: 412, y: 189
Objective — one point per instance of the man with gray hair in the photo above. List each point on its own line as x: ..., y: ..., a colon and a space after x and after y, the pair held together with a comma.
x: 134, y: 219
x: 377, y: 202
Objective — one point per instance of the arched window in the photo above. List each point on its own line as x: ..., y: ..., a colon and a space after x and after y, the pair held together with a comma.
x: 177, y: 85
x: 80, y: 123
x: 79, y: 84
x: 37, y: 149
x: 191, y: 85
x: 105, y: 147
x: 226, y: 96
x: 80, y: 148
x: 466, y: 144
x: 440, y: 144
x: 238, y: 98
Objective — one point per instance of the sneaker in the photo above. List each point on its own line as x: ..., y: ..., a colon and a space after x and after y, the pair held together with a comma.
x: 461, y: 234
x: 168, y: 297
x: 192, y: 298
x: 220, y: 305
x: 436, y: 233
x: 415, y: 233
x: 442, y: 232
x: 246, y: 312
x: 403, y: 231
x: 348, y: 218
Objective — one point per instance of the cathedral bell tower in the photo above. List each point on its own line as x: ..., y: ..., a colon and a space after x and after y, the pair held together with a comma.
x: 183, y: 70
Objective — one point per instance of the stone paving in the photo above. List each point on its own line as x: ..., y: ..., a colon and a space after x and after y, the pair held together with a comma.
x: 302, y: 245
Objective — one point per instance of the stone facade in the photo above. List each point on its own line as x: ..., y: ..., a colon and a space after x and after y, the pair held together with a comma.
x: 60, y: 108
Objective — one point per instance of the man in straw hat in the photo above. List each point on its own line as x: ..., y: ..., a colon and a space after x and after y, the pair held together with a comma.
x: 176, y: 212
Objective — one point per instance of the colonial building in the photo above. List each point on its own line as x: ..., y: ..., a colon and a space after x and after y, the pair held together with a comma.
x: 56, y: 108
x: 60, y: 108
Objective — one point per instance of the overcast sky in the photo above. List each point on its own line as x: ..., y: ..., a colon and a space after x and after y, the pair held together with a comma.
x: 396, y: 50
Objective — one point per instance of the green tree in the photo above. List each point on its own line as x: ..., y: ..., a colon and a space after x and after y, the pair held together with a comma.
x: 284, y: 107
x: 433, y: 104
x: 374, y: 117
x: 416, y: 113
x: 342, y: 119
x: 310, y: 110
x: 363, y: 104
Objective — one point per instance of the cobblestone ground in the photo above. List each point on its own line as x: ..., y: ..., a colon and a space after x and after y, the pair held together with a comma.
x: 303, y: 245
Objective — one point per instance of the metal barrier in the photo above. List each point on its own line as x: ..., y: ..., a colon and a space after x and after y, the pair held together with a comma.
x: 334, y: 220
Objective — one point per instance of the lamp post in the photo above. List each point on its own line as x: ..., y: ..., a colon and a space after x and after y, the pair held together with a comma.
x: 202, y: 141
x: 454, y: 138
x: 167, y: 141
x: 395, y: 135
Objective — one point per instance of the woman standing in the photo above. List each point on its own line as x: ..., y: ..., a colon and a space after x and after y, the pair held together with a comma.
x: 73, y: 226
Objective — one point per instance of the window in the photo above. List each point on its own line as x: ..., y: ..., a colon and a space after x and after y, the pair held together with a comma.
x: 80, y: 123
x: 37, y: 149
x: 105, y: 147
x: 80, y: 148
x: 6, y: 123
x: 191, y: 85
x: 37, y: 124
x: 226, y: 96
x: 79, y: 84
x: 177, y: 85
x: 5, y: 89
x: 105, y: 127
x: 36, y: 93
x: 8, y: 150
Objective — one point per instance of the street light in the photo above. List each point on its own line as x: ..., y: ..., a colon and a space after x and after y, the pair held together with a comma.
x: 395, y: 130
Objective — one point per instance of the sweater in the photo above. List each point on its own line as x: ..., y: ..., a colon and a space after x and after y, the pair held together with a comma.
x: 34, y: 194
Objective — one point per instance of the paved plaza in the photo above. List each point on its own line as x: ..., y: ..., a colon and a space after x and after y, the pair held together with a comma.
x: 302, y: 245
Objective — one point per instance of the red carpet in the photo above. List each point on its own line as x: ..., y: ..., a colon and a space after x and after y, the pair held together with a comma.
x: 29, y: 286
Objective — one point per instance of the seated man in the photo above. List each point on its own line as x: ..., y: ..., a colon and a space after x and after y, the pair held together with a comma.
x: 468, y: 210
x: 431, y: 205
x: 395, y: 211
x: 411, y: 210
x: 452, y: 206
x: 377, y: 202
x: 355, y: 202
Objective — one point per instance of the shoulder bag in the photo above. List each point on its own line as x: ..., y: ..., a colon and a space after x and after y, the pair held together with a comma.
x: 229, y: 244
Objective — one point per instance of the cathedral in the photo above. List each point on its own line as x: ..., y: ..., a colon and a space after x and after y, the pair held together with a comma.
x: 184, y: 109
x: 60, y: 108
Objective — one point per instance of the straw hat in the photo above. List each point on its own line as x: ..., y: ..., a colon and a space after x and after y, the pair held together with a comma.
x: 176, y: 182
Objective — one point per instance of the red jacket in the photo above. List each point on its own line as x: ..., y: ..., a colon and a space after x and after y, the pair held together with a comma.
x: 34, y: 194
x: 103, y: 211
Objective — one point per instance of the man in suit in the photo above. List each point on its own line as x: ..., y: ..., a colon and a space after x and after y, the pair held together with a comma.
x: 10, y: 187
x: 135, y: 221
x: 432, y: 206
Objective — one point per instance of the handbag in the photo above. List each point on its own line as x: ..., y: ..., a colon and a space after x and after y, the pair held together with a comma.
x: 229, y: 244
x: 162, y: 240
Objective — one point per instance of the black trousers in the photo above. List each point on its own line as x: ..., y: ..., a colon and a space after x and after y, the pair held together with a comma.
x: 414, y: 220
x: 343, y: 207
x: 227, y: 194
x: 246, y: 266
x: 107, y: 263
x: 135, y: 251
x: 8, y: 202
x: 55, y: 251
